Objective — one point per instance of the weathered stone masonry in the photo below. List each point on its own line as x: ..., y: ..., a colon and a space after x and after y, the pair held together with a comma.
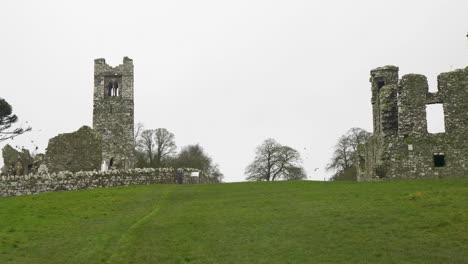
x: 67, y: 181
x: 401, y: 147
x: 110, y: 141
x: 113, y: 114
x: 77, y: 151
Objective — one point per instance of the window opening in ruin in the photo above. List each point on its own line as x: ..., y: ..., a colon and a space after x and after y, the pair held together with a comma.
x: 112, y: 89
x: 439, y: 160
x: 380, y: 84
x: 109, y: 89
x: 111, y: 163
x: 116, y: 89
x: 435, y: 118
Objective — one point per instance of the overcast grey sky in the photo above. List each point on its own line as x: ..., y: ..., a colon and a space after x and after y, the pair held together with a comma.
x: 225, y: 74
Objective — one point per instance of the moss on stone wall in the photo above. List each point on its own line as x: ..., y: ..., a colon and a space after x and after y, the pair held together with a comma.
x: 113, y: 114
x: 67, y: 181
x: 77, y: 151
x: 16, y: 162
x: 402, y: 147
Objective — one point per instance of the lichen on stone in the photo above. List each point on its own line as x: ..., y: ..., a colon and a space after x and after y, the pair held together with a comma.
x: 401, y: 147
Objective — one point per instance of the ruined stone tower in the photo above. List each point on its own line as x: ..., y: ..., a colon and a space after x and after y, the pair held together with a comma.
x: 384, y: 82
x: 113, y: 112
x: 401, y: 146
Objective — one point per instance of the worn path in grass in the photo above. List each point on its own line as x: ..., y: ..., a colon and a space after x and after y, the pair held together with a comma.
x: 283, y: 222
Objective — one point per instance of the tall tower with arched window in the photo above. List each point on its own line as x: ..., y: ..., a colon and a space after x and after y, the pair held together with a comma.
x: 113, y: 112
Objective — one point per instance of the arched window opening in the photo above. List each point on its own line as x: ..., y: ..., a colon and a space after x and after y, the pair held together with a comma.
x: 116, y: 89
x: 109, y: 89
x: 112, y: 87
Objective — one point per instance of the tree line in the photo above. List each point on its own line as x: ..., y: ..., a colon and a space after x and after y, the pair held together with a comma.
x: 156, y: 148
x: 274, y: 161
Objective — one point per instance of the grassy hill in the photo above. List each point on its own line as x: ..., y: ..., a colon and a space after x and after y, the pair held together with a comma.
x: 282, y: 222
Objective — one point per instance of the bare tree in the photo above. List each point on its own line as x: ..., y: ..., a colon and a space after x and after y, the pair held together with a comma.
x: 295, y: 173
x: 273, y: 162
x: 139, y: 152
x: 215, y: 174
x: 342, y: 156
x: 342, y: 161
x: 147, y: 145
x: 165, y: 145
x: 157, y: 145
x: 358, y: 136
x: 7, y: 119
x: 137, y: 132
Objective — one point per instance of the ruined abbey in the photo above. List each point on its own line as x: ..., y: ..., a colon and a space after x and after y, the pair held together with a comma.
x: 401, y: 146
x: 98, y: 157
x: 110, y: 143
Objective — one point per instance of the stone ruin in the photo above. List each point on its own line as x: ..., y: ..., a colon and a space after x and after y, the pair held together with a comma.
x: 77, y: 151
x: 17, y: 162
x: 98, y: 157
x: 109, y: 145
x: 113, y: 114
x: 401, y: 146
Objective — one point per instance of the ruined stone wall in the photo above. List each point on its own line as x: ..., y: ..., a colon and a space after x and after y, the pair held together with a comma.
x: 368, y: 158
x: 401, y: 147
x: 16, y: 162
x: 413, y: 157
x: 113, y: 114
x: 380, y: 78
x: 77, y: 151
x: 412, y: 92
x: 67, y: 181
x: 453, y: 92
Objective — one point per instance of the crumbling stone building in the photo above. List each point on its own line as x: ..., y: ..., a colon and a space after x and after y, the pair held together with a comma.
x: 17, y: 162
x: 77, y: 151
x: 401, y: 147
x: 110, y: 144
x: 113, y: 114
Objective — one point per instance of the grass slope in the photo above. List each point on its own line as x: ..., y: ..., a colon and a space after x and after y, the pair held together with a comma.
x: 282, y: 222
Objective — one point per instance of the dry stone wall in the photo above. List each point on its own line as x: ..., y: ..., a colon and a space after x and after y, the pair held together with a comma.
x: 67, y: 181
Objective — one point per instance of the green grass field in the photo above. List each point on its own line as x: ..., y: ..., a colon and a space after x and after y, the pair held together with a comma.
x: 281, y: 222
